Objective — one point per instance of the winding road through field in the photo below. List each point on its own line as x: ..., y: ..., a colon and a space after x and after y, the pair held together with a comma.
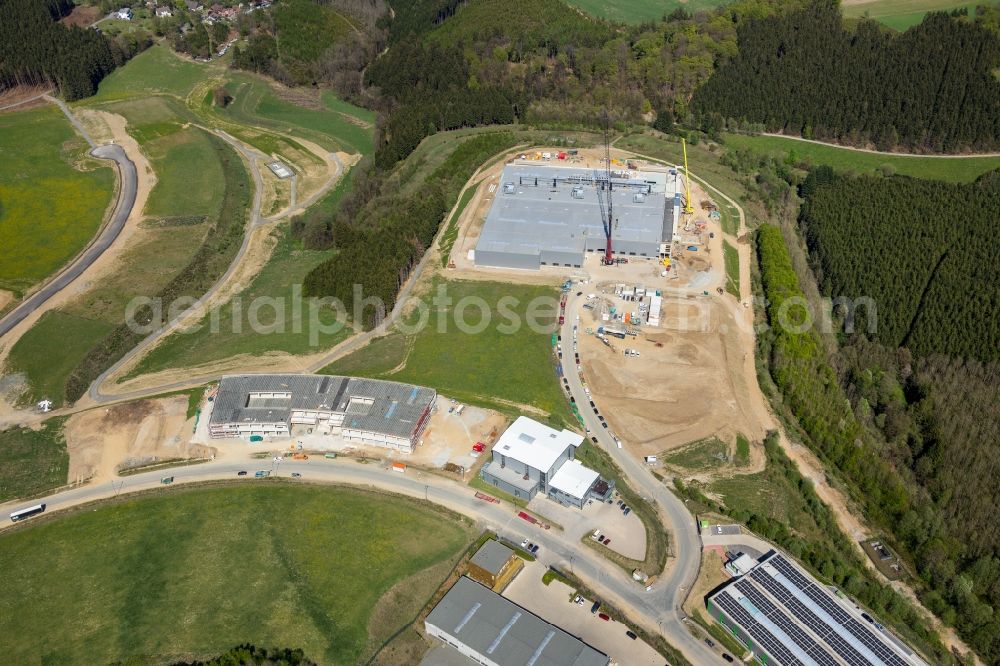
x: 123, y: 208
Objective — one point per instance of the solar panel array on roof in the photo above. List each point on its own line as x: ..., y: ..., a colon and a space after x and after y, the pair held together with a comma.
x: 798, y: 621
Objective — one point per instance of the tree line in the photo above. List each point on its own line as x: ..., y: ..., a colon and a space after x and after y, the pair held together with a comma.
x: 35, y: 49
x: 929, y: 89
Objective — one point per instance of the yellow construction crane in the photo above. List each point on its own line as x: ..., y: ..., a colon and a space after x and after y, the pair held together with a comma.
x: 688, y: 208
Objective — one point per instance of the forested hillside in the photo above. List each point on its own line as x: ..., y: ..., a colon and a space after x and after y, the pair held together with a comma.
x: 381, y: 234
x: 296, y: 42
x: 922, y: 390
x: 914, y: 439
x: 925, y: 251
x: 37, y: 50
x: 931, y: 88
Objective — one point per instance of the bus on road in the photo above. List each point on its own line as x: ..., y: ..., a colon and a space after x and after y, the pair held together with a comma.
x: 27, y: 513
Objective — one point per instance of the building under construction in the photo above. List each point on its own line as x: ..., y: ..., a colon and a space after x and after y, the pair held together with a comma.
x: 552, y: 216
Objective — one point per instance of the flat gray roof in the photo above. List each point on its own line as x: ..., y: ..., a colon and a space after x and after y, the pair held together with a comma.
x: 548, y: 216
x: 384, y: 407
x: 491, y: 556
x: 799, y: 622
x: 506, y: 633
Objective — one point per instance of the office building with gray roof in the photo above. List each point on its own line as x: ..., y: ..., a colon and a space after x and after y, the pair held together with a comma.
x: 552, y: 216
x: 490, y: 629
x: 367, y: 411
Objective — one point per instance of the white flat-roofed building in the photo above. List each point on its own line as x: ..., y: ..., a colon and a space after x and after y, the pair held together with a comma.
x: 529, y: 457
x: 572, y: 482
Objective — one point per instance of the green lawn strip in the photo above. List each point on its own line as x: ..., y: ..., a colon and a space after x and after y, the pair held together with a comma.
x: 720, y: 633
x: 450, y: 234
x: 639, y: 11
x: 950, y: 169
x: 269, y: 563
x: 273, y: 299
x: 32, y: 461
x: 732, y: 258
x: 657, y: 540
x: 742, y: 449
x: 48, y: 352
x: 50, y: 208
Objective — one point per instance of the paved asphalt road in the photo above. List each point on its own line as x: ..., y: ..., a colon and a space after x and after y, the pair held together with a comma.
x: 557, y: 548
x: 123, y: 208
x: 671, y: 590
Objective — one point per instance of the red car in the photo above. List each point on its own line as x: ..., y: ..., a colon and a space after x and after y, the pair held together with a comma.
x: 478, y: 446
x: 562, y: 319
x: 603, y: 616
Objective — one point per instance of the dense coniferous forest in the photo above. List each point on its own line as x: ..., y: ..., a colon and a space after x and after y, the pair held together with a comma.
x: 925, y: 251
x: 35, y: 49
x: 931, y: 88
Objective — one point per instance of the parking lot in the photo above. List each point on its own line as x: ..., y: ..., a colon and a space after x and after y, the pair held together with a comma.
x: 552, y: 603
x: 627, y: 533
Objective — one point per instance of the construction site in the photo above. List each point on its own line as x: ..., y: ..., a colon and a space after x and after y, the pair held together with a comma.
x: 658, y: 341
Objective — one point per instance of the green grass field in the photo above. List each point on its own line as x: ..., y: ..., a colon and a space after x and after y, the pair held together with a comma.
x: 705, y: 454
x: 732, y: 257
x: 902, y: 14
x: 49, y: 210
x: 637, y: 11
x: 336, y: 126
x: 473, y: 367
x: 47, y: 353
x: 289, y: 325
x: 189, y: 573
x: 32, y: 461
x: 951, y: 169
x: 154, y: 71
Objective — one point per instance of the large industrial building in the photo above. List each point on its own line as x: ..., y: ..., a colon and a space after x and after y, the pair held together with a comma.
x: 552, y: 216
x: 789, y: 619
x: 366, y: 411
x: 530, y: 456
x: 490, y: 629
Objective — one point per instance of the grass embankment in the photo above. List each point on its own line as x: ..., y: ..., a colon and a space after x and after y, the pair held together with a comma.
x: 732, y: 259
x: 32, y: 461
x: 331, y: 122
x: 492, y: 368
x: 190, y: 572
x: 154, y: 71
x: 657, y: 539
x: 949, y: 169
x: 52, y: 196
x: 702, y: 455
x: 450, y: 234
